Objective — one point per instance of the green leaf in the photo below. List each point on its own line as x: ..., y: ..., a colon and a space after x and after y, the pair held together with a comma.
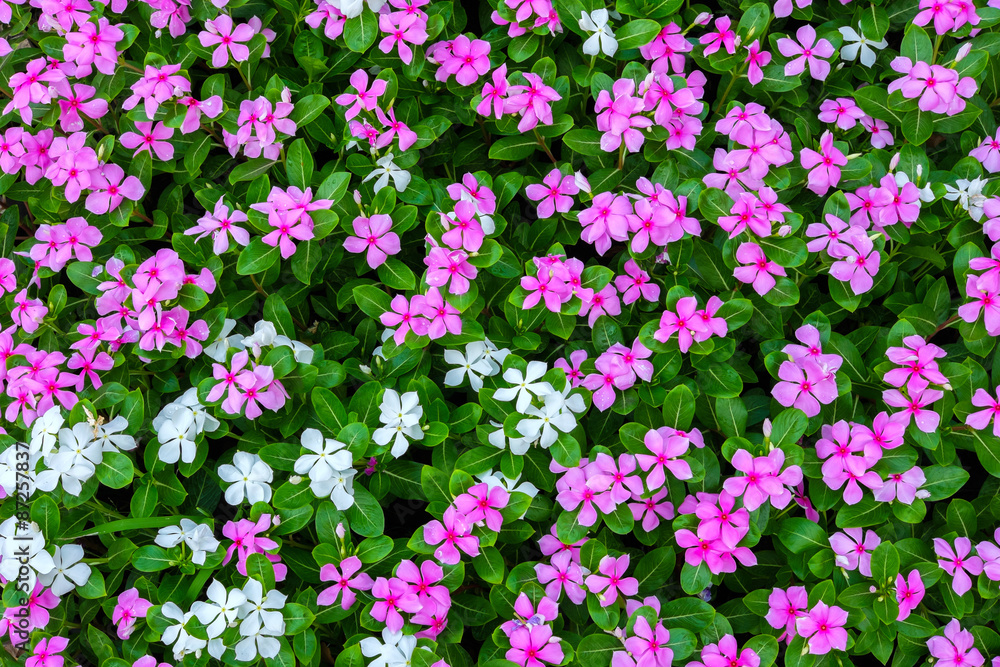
x: 720, y: 381
x: 916, y: 44
x: 511, y: 149
x: 365, y: 514
x: 299, y: 164
x: 801, y: 535
x: 788, y: 427
x: 393, y: 273
x: 372, y: 301
x: 584, y: 141
x: 678, y: 408
x: 918, y: 126
x: 250, y: 170
x: 885, y: 562
x: 489, y: 565
x: 256, y: 257
x: 151, y: 558
x: 690, y: 613
x: 115, y: 470
x: 636, y: 33
x: 360, y: 32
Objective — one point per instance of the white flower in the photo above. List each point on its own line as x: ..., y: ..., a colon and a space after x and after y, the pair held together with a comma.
x: 45, y: 431
x: 220, y: 346
x: 495, y: 356
x: 263, y: 334
x: 23, y: 548
x: 498, y: 439
x: 183, y: 642
x: 386, y: 169
x: 170, y: 536
x: 301, y: 352
x: 349, y: 8
x: 499, y: 479
x: 969, y: 195
x: 474, y: 361
x: 854, y: 40
x: 67, y: 467
x: 108, y: 436
x: 261, y: 613
x: 221, y: 610
x: 67, y: 571
x: 524, y: 385
x: 601, y: 38
x: 176, y: 437
x: 249, y: 477
x: 10, y: 479
x: 401, y: 417
x: 201, y: 541
x: 80, y: 442
x: 395, y: 649
x: 551, y: 416
x: 330, y: 456
x: 203, y: 421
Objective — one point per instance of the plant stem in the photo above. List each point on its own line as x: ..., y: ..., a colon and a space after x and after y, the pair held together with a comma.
x: 541, y: 142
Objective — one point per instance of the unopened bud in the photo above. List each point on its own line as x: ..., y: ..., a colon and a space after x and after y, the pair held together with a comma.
x: 340, y: 531
x: 367, y: 370
x: 357, y: 197
x: 295, y: 479
x: 872, y: 589
x: 276, y: 520
x: 784, y: 230
x: 964, y: 51
x: 894, y: 161
x: 767, y: 428
x: 158, y: 33
x: 704, y: 18
x: 581, y: 182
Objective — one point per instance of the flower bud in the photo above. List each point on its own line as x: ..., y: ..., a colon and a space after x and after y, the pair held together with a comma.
x: 294, y: 479
x: 964, y: 51
x: 704, y: 18
x: 340, y: 530
x: 581, y: 182
x: 367, y: 370
x: 784, y: 230
x: 357, y: 197
x: 894, y: 161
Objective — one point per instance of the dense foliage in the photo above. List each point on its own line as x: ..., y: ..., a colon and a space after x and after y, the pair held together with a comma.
x: 527, y: 333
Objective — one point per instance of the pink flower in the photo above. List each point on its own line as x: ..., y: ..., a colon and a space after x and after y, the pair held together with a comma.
x: 981, y: 419
x: 392, y: 596
x: 469, y: 59
x: 481, y: 503
x: 28, y: 314
x: 756, y: 59
x: 77, y: 103
x: 286, y: 229
x: 553, y: 194
x: 572, y: 368
x: 783, y: 8
x: 365, y: 98
x: 211, y: 107
x: 635, y: 284
x: 611, y: 374
x: 402, y: 29
x: 941, y: 90
x: 825, y: 236
x: 762, y: 479
x: 916, y: 407
x: 441, y: 316
x: 648, y: 645
x: 465, y: 230
x: 44, y: 653
x: 563, y: 574
x: 405, y: 315
x: 745, y: 214
x: 918, y: 365
x: 150, y: 140
x: 823, y: 629
x: 221, y: 224
x: 534, y: 646
x: 247, y: 539
x: 881, y: 136
x: 344, y: 582
x: 897, y: 200
x: 130, y: 606
x: 619, y: 117
x: 452, y: 266
x: 825, y: 165
x: 758, y: 269
x: 651, y: 510
x: 407, y: 137
x: 724, y: 35
x: 712, y: 325
x: 93, y: 45
x: 986, y: 292
x: 958, y: 563
x: 229, y: 39
x: 532, y: 101
x: 902, y: 487
x: 956, y: 648
x: 803, y: 50
x: 373, y: 235
x: 909, y: 593
x: 606, y: 219
x: 611, y: 580
x: 859, y: 261
x: 665, y: 450
x: 685, y: 322
x: 455, y: 533
x: 804, y: 387
x: 605, y: 302
x: 988, y: 153
x: 110, y: 187
x: 494, y: 94
x: 843, y: 111
x: 785, y: 608
x: 852, y: 552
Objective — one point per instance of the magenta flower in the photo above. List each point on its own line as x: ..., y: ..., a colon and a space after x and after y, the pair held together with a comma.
x: 988, y: 153
x: 392, y: 596
x: 909, y: 593
x: 452, y: 533
x: 481, y: 503
x: 365, y: 98
x: 903, y: 487
x: 532, y: 101
x: 956, y: 648
x: 344, y: 582
x: 804, y: 387
x: 572, y: 367
x: 651, y: 510
x: 150, y: 140
x: 758, y: 269
x: 464, y: 230
x: 842, y: 111
x: 547, y: 288
x: 958, y: 563
x: 918, y: 365
x: 941, y: 90
x: 93, y: 45
x: 859, y: 261
x: 553, y: 194
x: 469, y: 59
x: 221, y: 224
x: 44, y: 653
x: 441, y: 316
x: 785, y: 608
x: 619, y: 117
x: 526, y: 616
x: 724, y: 35
x: 606, y: 219
x: 915, y: 407
x: 762, y: 479
x: 756, y: 59
x: 534, y: 646
x: 406, y: 316
x: 374, y: 236
x: 823, y: 629
x: 563, y: 574
x: 396, y: 128
x: 78, y: 103
x: 605, y: 302
x: 803, y: 50
x: 611, y: 580
x: 825, y: 165
x: 402, y: 29
x: 852, y: 551
x: 229, y: 39
x: 896, y: 200
x: 28, y: 313
x: 445, y: 265
x: 879, y: 130
x: 981, y: 419
x: 648, y: 645
x: 986, y: 294
x: 744, y: 214
x: 110, y: 187
x: 577, y: 493
x: 685, y: 322
x: 635, y: 284
x: 247, y: 539
x: 665, y: 450
x: 286, y: 229
x: 494, y: 94
x: 129, y: 608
